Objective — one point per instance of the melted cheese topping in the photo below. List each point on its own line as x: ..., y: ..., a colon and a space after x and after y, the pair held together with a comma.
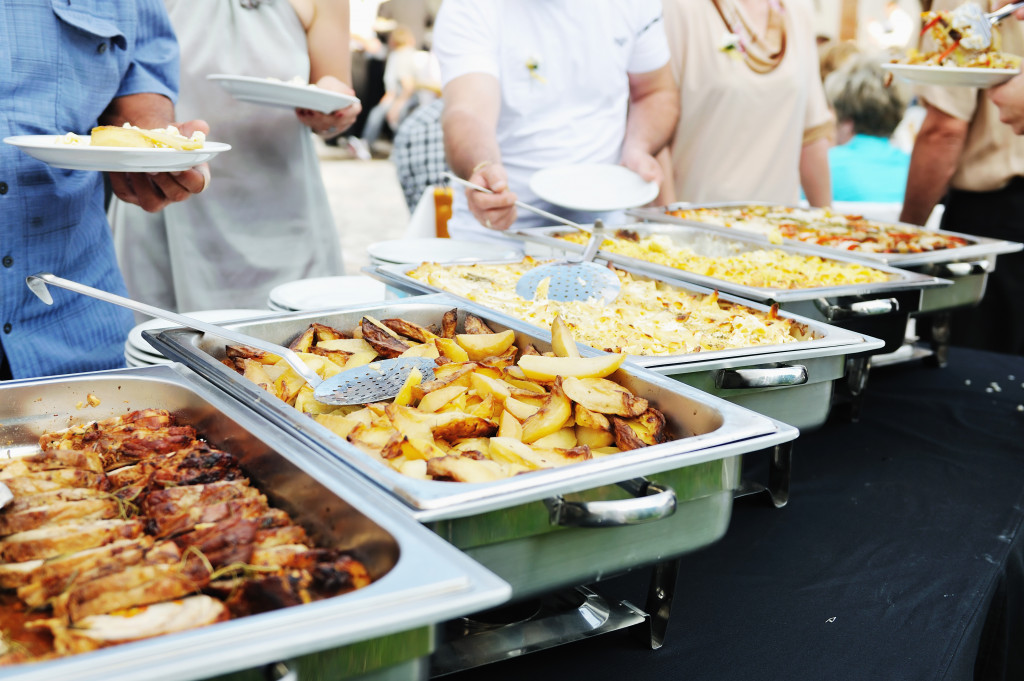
x: 764, y: 268
x: 822, y: 227
x: 648, y: 318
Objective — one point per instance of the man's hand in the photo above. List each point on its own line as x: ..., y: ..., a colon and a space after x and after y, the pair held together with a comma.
x: 1009, y: 97
x: 153, y: 191
x: 1017, y: 13
x: 332, y: 124
x: 642, y: 163
x: 494, y: 211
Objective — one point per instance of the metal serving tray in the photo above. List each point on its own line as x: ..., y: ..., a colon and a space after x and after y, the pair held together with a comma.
x: 523, y: 528
x: 383, y: 629
x: 792, y: 382
x: 966, y: 267
x: 879, y: 309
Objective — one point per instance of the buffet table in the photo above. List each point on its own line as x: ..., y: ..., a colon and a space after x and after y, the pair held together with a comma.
x: 899, y: 555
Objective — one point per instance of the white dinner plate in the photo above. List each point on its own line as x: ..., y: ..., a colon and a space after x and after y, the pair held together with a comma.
x: 595, y: 187
x: 136, y: 357
x: 415, y: 251
x: 950, y: 76
x: 322, y: 292
x: 281, y: 94
x: 137, y: 342
x: 49, y: 149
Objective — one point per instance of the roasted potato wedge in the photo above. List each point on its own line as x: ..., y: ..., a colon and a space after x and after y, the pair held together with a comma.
x: 539, y: 367
x: 562, y: 341
x: 603, y: 396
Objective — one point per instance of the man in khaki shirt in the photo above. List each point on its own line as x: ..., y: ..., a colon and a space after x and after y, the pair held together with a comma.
x: 971, y: 161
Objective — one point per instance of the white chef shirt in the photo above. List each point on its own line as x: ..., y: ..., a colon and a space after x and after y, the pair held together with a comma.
x: 563, y: 68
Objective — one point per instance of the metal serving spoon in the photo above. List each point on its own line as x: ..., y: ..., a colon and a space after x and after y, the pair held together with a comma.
x: 971, y: 18
x: 568, y: 279
x: 380, y: 380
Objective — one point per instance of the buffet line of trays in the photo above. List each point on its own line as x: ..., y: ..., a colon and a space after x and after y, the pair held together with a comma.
x: 395, y: 529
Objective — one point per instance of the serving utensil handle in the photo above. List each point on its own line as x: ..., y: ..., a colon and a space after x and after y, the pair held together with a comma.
x: 657, y: 502
x: 37, y: 283
x: 1005, y: 11
x: 525, y: 206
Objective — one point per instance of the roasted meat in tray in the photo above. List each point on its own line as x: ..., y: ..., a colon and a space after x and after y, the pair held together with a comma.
x: 133, y: 526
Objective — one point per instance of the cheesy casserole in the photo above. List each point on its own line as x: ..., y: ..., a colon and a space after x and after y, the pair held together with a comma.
x: 762, y: 267
x: 822, y: 227
x: 648, y: 318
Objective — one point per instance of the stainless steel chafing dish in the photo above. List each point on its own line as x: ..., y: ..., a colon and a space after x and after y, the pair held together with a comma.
x: 384, y: 629
x: 878, y: 309
x: 966, y: 267
x: 791, y: 382
x: 526, y: 528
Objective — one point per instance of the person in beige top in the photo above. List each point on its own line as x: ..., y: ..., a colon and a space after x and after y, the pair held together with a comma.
x: 755, y: 124
x: 967, y: 158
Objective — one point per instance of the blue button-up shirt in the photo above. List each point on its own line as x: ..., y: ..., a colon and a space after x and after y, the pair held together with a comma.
x: 61, y: 64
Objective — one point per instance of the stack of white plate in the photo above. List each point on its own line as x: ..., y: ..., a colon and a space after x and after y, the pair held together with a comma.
x: 325, y: 292
x: 415, y: 251
x: 139, y: 353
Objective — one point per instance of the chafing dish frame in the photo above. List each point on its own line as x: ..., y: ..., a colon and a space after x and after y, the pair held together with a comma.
x: 506, y: 525
x: 966, y: 267
x: 421, y: 580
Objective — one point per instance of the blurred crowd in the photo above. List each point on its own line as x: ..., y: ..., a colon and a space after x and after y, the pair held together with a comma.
x: 713, y: 100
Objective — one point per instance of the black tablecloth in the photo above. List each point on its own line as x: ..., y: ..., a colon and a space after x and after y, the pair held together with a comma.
x: 899, y: 555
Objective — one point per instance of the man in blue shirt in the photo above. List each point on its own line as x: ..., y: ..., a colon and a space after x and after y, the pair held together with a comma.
x: 66, y: 66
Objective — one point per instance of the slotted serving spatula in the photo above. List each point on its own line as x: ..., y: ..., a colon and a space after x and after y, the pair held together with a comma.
x: 377, y: 381
x: 568, y: 279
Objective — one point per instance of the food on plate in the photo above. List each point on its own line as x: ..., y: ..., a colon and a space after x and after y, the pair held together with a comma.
x: 648, y: 317
x: 823, y: 227
x: 132, y: 527
x: 761, y: 267
x: 138, y: 138
x: 958, y: 45
x: 482, y: 417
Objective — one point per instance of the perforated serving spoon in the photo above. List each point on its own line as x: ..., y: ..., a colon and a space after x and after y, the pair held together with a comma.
x: 377, y: 381
x: 568, y: 279
x: 970, y: 19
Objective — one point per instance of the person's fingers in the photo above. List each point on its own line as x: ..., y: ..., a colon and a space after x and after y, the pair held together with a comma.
x: 494, y: 177
x: 186, y: 128
x: 121, y: 185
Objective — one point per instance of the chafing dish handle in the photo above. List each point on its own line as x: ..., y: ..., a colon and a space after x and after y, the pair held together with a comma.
x: 771, y: 377
x: 963, y: 269
x: 653, y: 502
x: 863, y: 308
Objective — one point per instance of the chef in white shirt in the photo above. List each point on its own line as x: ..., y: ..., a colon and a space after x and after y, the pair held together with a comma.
x: 533, y: 84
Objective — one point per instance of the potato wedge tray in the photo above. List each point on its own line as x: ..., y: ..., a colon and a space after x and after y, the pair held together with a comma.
x: 536, y: 528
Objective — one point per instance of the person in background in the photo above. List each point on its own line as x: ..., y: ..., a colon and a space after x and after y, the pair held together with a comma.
x: 532, y: 84
x: 401, y: 71
x: 864, y: 166
x: 418, y: 152
x: 754, y: 123
x: 68, y: 69
x: 268, y: 220
x: 831, y: 55
x: 967, y: 158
